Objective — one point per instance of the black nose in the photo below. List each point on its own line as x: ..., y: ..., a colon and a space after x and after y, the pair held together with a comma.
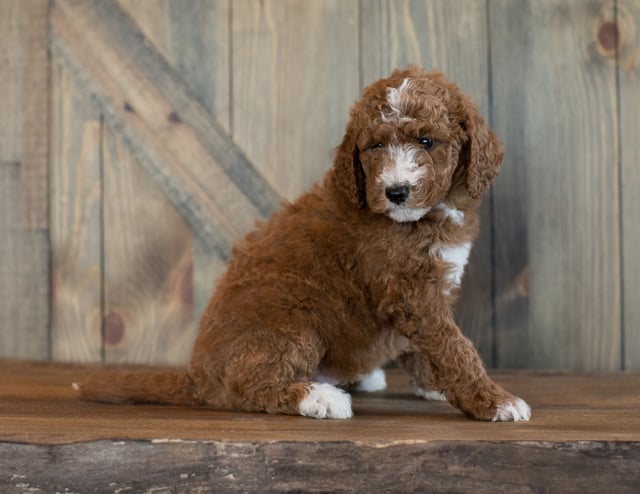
x: 397, y: 194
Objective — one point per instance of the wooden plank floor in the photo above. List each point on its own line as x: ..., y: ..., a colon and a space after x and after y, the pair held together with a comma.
x: 584, y: 436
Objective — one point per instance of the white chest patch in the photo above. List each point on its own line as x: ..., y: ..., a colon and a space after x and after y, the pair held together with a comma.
x: 404, y: 214
x: 456, y: 256
x: 455, y: 215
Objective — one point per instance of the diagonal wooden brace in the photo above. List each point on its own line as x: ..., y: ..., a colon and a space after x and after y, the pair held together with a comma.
x: 183, y: 147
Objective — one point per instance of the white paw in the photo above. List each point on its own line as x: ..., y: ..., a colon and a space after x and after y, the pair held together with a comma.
x: 429, y: 394
x: 374, y: 381
x: 325, y: 401
x: 515, y: 410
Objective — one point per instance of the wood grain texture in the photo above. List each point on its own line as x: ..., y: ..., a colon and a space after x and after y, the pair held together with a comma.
x: 195, y: 41
x: 295, y: 75
x: 629, y: 75
x: 565, y: 407
x: 219, y: 467
x: 147, y: 316
x: 584, y: 437
x: 172, y: 134
x: 35, y: 114
x: 11, y: 73
x: 555, y: 100
x: 151, y: 17
x: 511, y: 48
x: 24, y: 254
x: 450, y: 36
x: 76, y: 224
x: 148, y: 266
x: 24, y: 276
x: 201, y: 53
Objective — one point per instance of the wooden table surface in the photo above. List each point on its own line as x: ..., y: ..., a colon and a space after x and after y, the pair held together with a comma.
x: 38, y: 405
x: 573, y: 416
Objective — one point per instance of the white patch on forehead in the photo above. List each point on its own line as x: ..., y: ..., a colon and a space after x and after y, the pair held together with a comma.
x: 456, y: 256
x: 403, y: 214
x: 403, y: 168
x: 395, y: 100
x: 394, y: 96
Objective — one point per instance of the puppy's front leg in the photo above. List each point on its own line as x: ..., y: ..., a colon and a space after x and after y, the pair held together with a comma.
x: 457, y: 370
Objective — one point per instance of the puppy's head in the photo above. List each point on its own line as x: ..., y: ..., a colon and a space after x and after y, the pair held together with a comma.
x: 415, y: 140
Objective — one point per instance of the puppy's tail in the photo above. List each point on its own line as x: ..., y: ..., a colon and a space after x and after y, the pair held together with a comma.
x: 171, y: 388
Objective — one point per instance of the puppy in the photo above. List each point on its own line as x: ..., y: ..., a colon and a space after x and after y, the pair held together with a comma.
x: 360, y: 270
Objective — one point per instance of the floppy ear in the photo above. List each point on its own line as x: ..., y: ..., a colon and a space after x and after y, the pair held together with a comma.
x: 484, y: 152
x: 348, y: 175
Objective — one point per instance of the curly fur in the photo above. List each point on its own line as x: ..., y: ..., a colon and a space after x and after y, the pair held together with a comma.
x: 344, y: 279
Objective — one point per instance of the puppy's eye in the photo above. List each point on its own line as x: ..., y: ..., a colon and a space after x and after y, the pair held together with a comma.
x: 426, y: 143
x: 376, y: 145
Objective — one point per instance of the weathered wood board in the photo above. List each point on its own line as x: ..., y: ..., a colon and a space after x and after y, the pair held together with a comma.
x: 556, y: 207
x: 201, y: 56
x: 295, y: 75
x: 148, y: 266
x: 628, y: 35
x: 24, y: 267
x: 171, y: 133
x: 584, y: 436
x: 77, y: 208
x: 24, y: 140
x: 34, y: 162
x: 11, y: 69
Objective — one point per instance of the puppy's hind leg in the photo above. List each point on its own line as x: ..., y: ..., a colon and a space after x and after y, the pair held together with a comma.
x: 310, y: 399
x: 280, y: 381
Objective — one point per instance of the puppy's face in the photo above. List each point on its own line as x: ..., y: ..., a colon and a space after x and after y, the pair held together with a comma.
x: 415, y: 140
x: 409, y: 152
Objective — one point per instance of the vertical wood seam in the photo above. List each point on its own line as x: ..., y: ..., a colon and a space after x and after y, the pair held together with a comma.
x: 618, y: 144
x: 49, y: 185
x: 102, y: 255
x: 359, y: 47
x: 492, y: 230
x: 230, y: 62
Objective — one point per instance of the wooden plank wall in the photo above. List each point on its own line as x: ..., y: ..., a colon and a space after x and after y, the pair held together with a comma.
x: 556, y: 81
x: 553, y: 280
x: 628, y: 20
x: 24, y: 147
x: 76, y: 221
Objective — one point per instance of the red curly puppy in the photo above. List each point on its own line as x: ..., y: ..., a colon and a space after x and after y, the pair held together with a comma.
x: 358, y: 271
